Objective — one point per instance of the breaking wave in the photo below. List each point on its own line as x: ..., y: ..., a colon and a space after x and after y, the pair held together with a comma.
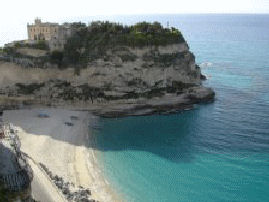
x: 206, y: 64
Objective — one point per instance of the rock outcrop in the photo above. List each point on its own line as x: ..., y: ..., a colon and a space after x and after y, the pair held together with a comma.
x: 124, y: 81
x: 15, y: 173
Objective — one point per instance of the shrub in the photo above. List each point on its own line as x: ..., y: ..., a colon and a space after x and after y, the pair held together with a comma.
x: 77, y: 71
x: 29, y: 88
x: 56, y: 57
x: 91, y: 42
x: 17, y: 45
x: 128, y: 57
x: 145, y: 65
x: 9, y: 50
x: 41, y: 44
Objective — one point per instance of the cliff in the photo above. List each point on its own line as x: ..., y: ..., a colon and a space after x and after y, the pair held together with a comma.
x: 128, y: 75
x: 15, y: 172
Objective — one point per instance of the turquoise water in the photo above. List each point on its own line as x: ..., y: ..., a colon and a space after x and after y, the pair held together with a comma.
x: 216, y: 152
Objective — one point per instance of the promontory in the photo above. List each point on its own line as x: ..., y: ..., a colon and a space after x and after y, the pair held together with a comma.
x: 108, y: 68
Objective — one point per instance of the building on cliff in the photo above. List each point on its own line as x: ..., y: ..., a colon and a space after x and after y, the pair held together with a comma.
x: 53, y: 33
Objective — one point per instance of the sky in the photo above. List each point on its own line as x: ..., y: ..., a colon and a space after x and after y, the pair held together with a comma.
x: 54, y: 8
x: 14, y: 14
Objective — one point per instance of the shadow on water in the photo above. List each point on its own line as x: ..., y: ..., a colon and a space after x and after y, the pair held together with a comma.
x: 212, y: 128
x: 165, y: 136
x: 180, y: 137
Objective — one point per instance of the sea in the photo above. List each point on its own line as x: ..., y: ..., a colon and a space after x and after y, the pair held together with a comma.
x: 215, y: 152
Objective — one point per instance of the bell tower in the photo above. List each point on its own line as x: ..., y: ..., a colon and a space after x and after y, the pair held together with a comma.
x: 37, y: 21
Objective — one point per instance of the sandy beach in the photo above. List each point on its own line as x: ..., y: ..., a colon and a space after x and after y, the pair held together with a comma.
x: 62, y: 148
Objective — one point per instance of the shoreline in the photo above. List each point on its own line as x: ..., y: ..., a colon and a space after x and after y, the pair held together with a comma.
x: 93, y: 155
x: 62, y: 149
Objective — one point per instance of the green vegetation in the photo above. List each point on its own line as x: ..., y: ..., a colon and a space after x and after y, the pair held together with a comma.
x: 91, y: 42
x: 163, y: 60
x: 128, y: 57
x: 27, y: 89
x: 6, y: 195
x: 11, y: 51
x: 56, y: 57
x: 41, y: 44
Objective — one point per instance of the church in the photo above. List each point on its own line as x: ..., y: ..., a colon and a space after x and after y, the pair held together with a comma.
x: 53, y: 33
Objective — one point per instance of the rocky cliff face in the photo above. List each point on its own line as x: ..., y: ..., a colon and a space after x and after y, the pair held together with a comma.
x: 139, y: 70
x: 15, y: 173
x: 159, y: 78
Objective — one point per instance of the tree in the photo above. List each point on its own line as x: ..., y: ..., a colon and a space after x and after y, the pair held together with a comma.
x: 41, y: 44
x: 56, y: 57
x: 91, y: 42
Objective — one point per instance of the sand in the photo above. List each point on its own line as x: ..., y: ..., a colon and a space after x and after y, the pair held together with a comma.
x: 62, y: 149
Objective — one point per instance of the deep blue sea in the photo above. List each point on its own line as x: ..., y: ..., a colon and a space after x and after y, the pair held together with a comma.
x: 216, y: 152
